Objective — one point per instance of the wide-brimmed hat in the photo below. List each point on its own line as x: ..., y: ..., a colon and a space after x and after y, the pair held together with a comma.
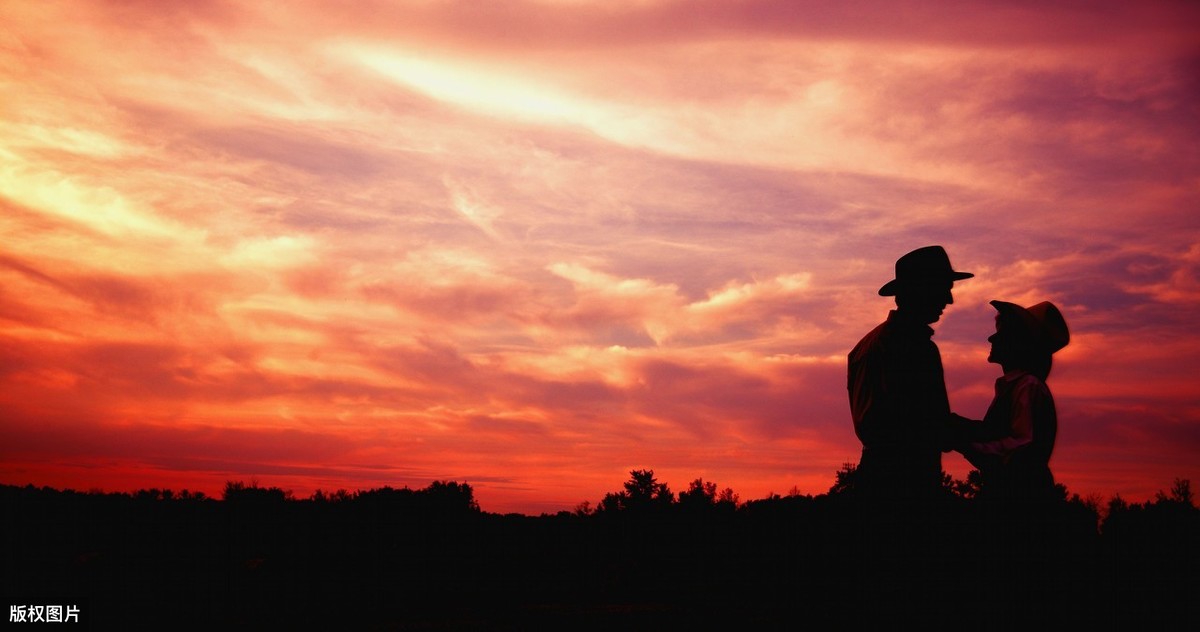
x: 923, y: 265
x: 1043, y: 322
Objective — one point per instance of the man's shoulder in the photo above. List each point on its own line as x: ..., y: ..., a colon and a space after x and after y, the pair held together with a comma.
x: 874, y: 339
x: 895, y: 340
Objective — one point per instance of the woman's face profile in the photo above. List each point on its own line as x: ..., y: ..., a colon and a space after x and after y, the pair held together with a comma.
x: 1003, y: 342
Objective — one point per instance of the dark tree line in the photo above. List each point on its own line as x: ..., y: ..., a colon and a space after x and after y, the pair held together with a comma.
x: 643, y: 558
x: 643, y: 492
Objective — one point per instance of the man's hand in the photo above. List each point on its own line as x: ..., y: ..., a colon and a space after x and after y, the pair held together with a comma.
x: 957, y: 432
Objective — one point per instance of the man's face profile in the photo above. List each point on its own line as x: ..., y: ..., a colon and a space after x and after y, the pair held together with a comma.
x: 925, y: 301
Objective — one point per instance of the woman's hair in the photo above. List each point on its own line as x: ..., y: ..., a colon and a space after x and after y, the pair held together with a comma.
x: 1040, y: 365
x: 1029, y: 355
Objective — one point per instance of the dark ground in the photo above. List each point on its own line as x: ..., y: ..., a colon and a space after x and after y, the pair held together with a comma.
x: 790, y: 563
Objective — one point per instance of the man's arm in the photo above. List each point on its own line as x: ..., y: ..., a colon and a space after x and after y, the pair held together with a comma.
x: 872, y: 404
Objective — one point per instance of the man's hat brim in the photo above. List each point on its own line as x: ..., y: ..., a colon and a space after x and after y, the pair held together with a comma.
x: 892, y: 287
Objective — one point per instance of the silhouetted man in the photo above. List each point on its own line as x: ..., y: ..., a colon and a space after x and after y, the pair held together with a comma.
x: 897, y: 387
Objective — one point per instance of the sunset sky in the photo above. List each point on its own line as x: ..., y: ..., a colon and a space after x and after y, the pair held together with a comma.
x: 534, y: 245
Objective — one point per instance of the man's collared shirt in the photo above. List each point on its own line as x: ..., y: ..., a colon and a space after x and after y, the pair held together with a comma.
x: 898, y: 396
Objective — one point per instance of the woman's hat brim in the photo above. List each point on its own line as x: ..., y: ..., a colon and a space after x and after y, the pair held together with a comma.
x: 1044, y: 322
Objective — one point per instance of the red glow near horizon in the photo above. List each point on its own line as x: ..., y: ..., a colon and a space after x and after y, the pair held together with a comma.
x: 536, y: 248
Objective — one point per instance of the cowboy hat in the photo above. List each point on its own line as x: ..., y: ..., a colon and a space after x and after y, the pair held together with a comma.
x: 1044, y: 323
x: 922, y: 265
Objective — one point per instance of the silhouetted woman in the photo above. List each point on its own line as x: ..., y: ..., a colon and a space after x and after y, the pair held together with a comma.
x: 1013, y: 443
x: 1024, y: 530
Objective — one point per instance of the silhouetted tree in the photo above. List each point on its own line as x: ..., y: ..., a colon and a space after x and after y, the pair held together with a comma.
x: 240, y: 493
x: 1181, y: 493
x: 968, y: 488
x: 449, y: 497
x: 702, y: 495
x: 699, y: 495
x: 642, y: 492
x: 1153, y: 551
x: 845, y: 480
x: 612, y: 502
x: 152, y: 494
x: 643, y: 488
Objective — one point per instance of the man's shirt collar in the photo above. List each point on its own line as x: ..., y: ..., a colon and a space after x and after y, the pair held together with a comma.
x: 899, y: 320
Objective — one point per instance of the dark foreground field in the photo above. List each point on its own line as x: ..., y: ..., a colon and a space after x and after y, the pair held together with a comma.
x: 430, y: 560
